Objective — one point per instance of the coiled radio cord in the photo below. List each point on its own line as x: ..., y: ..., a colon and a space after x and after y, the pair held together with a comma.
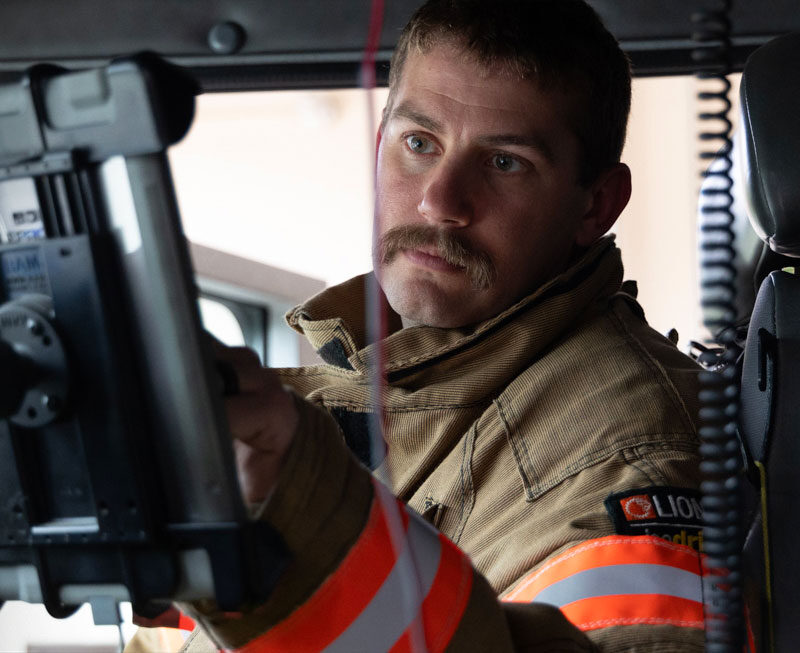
x: 719, y: 389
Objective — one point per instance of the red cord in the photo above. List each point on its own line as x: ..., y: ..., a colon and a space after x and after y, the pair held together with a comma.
x: 372, y: 45
x: 376, y: 328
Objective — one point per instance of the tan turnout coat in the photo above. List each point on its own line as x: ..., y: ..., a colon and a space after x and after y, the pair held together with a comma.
x: 507, y: 436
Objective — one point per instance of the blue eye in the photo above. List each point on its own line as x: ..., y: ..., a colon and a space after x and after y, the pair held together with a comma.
x: 419, y: 145
x: 506, y: 163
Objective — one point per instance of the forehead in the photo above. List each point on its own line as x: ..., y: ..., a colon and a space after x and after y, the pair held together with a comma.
x: 448, y: 85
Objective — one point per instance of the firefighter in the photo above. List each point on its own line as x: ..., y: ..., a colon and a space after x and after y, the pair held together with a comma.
x: 538, y: 485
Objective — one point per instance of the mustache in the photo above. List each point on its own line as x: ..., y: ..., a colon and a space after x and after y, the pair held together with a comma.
x: 450, y: 247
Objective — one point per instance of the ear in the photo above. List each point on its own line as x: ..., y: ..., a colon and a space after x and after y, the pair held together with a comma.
x: 609, y: 196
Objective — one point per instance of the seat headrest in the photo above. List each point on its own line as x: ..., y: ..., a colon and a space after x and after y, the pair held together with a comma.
x: 770, y: 123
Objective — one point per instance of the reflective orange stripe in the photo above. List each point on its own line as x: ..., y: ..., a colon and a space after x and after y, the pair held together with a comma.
x: 445, y: 604
x: 186, y: 623
x: 446, y: 601
x: 604, y: 551
x: 339, y: 600
x: 632, y: 609
x: 170, y: 618
x: 166, y: 632
x: 393, y: 590
x: 620, y: 580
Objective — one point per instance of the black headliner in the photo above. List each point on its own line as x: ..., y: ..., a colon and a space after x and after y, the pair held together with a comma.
x: 319, y: 43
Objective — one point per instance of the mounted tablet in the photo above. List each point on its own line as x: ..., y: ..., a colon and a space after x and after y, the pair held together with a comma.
x: 117, y: 476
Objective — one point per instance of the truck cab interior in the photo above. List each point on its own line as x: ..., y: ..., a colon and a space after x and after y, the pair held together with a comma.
x: 268, y: 174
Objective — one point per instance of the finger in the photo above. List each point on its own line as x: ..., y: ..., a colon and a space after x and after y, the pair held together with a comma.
x: 264, y: 421
x: 262, y: 426
x: 212, y: 342
x: 245, y: 367
x: 258, y: 472
x: 228, y: 378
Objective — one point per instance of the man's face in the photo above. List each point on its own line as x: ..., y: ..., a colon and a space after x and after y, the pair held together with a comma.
x: 478, y: 201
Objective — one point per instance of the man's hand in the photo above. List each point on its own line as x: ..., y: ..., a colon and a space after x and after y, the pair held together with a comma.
x: 262, y: 417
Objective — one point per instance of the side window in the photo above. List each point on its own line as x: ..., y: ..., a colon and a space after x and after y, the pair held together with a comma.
x: 236, y: 323
x: 243, y: 302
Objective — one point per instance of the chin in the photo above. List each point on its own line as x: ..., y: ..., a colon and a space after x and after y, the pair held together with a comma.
x: 421, y: 300
x: 415, y: 311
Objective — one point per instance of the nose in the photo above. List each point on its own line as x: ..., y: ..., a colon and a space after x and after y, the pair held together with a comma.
x: 446, y: 197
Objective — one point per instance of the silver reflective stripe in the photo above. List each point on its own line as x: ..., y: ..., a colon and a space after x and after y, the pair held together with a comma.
x: 623, y: 579
x: 383, y: 621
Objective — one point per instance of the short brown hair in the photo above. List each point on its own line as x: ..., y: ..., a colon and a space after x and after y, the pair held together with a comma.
x: 559, y: 43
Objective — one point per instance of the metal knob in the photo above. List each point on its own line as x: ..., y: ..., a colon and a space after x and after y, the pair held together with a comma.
x: 226, y: 38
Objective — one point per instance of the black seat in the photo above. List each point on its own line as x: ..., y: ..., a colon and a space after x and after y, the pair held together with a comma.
x: 770, y: 392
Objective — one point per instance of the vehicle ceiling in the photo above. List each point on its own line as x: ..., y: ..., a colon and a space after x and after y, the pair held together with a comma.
x: 319, y: 43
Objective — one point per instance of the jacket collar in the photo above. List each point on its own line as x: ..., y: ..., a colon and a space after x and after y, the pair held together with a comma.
x: 333, y: 321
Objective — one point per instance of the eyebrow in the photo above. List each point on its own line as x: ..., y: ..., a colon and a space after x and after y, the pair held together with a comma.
x: 532, y: 141
x: 405, y: 110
